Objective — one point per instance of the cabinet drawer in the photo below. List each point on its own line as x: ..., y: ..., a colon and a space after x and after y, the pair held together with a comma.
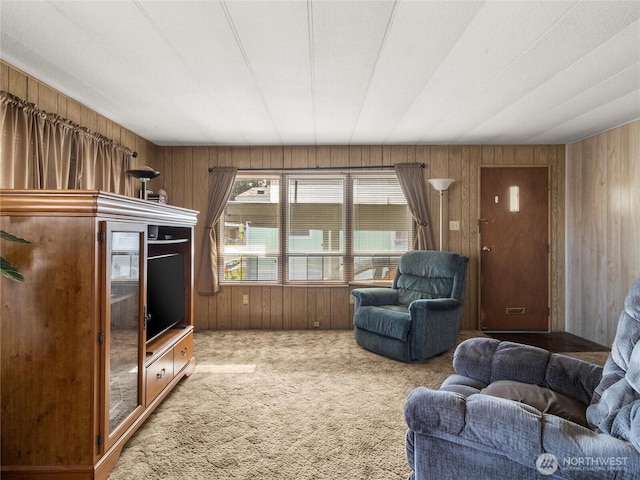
x: 159, y: 374
x: 183, y: 352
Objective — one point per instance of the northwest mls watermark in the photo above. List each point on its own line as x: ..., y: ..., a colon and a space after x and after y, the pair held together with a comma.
x: 548, y: 463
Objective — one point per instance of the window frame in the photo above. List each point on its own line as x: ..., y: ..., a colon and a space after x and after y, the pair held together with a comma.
x: 347, y: 254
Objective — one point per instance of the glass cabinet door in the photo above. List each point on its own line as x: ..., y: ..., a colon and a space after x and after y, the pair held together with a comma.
x: 123, y: 326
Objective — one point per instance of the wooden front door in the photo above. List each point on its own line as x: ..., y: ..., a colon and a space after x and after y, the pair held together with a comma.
x: 514, y: 248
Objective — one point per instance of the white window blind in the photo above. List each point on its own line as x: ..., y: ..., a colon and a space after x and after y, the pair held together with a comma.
x: 315, y: 227
x: 382, y: 225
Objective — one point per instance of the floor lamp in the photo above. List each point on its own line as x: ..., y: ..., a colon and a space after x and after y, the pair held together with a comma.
x: 441, y: 185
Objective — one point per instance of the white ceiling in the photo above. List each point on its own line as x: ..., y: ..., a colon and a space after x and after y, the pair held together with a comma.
x: 337, y: 72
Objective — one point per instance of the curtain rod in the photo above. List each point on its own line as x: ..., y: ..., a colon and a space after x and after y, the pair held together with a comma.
x: 316, y: 168
x: 32, y: 108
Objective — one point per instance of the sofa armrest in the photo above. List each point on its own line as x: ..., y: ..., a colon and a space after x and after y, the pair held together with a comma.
x: 429, y: 410
x: 375, y: 296
x: 486, y: 422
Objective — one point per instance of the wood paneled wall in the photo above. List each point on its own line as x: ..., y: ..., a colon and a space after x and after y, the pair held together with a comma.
x: 603, y: 230
x: 46, y: 98
x: 184, y: 177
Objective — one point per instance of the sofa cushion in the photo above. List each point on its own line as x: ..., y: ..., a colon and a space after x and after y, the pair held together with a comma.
x: 390, y: 321
x: 543, y: 399
x: 531, y: 366
x: 572, y: 377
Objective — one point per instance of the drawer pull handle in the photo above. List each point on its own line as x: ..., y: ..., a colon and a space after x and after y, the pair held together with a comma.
x: 184, y: 351
x: 161, y: 374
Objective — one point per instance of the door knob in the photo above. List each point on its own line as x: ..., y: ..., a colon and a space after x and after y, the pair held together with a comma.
x: 486, y: 249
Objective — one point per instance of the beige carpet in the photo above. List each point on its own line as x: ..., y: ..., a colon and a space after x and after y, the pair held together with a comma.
x: 282, y: 405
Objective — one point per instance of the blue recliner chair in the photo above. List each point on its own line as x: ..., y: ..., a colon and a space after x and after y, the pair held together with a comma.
x: 419, y: 316
x: 516, y: 411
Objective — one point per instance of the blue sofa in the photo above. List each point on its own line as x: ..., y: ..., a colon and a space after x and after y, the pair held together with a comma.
x: 419, y: 316
x: 516, y: 411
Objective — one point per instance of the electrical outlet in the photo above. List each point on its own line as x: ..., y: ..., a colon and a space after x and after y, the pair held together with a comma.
x: 316, y: 324
x: 245, y: 299
x: 352, y: 299
x: 454, y: 225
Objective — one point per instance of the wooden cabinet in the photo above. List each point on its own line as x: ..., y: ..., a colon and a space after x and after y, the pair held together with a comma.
x: 79, y: 371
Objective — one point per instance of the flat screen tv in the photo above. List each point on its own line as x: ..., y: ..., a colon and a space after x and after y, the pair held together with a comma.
x: 165, y: 293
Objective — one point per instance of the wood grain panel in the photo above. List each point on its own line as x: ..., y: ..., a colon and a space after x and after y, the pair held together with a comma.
x: 341, y: 313
x: 339, y: 156
x: 631, y: 241
x: 557, y: 284
x: 603, y: 229
x: 240, y: 317
x: 224, y: 309
x: 453, y: 239
x: 256, y: 307
x: 200, y: 163
x: 50, y: 340
x: 323, y: 307
x: 471, y: 248
x: 298, y: 307
x: 312, y: 307
x: 322, y: 157
x: 290, y: 308
x: 275, y: 310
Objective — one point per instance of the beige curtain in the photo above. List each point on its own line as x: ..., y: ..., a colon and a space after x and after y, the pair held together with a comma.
x: 220, y: 185
x: 18, y: 153
x: 411, y: 179
x: 102, y: 165
x: 40, y: 150
x: 54, y: 143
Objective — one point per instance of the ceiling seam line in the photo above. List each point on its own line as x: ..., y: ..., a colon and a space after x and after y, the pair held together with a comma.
x: 155, y: 26
x: 312, y: 71
x: 600, y: 106
x: 252, y: 73
x: 546, y: 81
x: 373, y: 70
x: 506, y: 67
x: 473, y: 17
x: 570, y: 140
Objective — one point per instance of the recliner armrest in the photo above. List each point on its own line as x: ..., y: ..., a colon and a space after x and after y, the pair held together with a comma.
x: 436, y: 304
x: 375, y: 296
x: 429, y: 410
x: 489, y: 360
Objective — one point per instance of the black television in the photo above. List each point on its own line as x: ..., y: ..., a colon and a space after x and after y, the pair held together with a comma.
x: 165, y: 293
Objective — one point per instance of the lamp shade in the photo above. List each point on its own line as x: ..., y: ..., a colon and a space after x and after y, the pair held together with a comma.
x: 144, y: 174
x: 441, y: 184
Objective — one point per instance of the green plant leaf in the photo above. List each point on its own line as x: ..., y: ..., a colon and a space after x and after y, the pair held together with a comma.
x: 12, y: 238
x: 10, y: 271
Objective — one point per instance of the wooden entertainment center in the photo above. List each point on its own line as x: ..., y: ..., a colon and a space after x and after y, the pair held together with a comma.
x: 78, y: 374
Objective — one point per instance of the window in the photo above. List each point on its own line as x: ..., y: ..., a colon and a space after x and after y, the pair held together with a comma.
x: 250, y: 230
x: 319, y: 227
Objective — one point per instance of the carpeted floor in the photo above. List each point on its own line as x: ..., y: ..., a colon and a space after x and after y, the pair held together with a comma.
x: 283, y: 405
